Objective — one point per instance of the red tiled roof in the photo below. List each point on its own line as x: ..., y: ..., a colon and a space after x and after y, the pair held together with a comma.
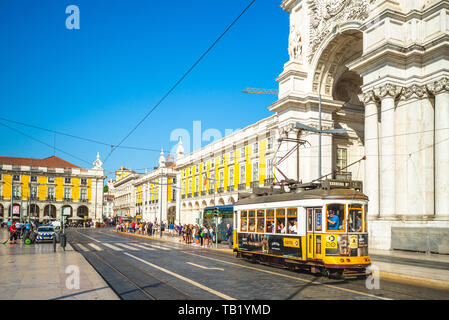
x: 52, y: 161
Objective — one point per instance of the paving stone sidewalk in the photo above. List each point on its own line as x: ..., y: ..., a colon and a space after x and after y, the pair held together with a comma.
x: 36, y: 272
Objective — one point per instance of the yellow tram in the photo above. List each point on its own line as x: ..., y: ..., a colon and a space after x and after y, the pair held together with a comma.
x: 320, y: 228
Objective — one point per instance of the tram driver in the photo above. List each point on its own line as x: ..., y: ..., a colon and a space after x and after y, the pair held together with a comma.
x: 332, y: 221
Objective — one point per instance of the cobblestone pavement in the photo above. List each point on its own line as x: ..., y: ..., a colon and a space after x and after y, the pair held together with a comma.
x: 143, y: 268
x: 36, y: 272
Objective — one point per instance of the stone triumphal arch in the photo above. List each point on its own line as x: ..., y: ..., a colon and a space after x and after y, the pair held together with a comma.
x: 380, y: 69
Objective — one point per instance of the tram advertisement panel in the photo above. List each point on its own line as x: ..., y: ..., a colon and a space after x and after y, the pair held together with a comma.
x: 278, y: 245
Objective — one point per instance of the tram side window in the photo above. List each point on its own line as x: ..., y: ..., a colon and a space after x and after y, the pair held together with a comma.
x: 292, y: 221
x: 251, y: 221
x: 309, y: 219
x: 280, y: 221
x: 318, y: 226
x: 335, y: 217
x: 270, y: 221
x: 355, y: 219
x: 260, y: 220
x: 243, y: 221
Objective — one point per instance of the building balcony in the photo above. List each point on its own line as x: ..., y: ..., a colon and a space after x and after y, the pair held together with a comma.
x: 83, y: 200
x: 50, y: 198
x: 230, y: 188
x: 195, y: 194
x: 67, y: 199
x: 221, y: 190
x: 182, y: 196
x: 268, y: 182
x: 242, y: 186
x: 189, y: 195
x: 17, y: 197
x: 211, y: 191
x: 203, y: 193
x: 254, y: 184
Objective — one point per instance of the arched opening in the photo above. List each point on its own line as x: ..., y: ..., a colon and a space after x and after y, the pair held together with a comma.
x: 203, y: 204
x: 2, y: 212
x: 339, y: 88
x: 33, y: 210
x: 82, y: 212
x: 16, y: 209
x: 231, y: 200
x: 171, y: 215
x: 221, y: 202
x: 50, y: 211
x: 67, y: 211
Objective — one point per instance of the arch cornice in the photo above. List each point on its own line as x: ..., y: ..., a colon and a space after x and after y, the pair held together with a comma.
x: 330, y: 56
x: 327, y: 16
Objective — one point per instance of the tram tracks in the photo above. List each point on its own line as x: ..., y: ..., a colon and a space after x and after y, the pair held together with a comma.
x: 387, y: 291
x: 162, y: 289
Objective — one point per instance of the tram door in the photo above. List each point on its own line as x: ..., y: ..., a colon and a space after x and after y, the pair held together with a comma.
x: 314, y: 233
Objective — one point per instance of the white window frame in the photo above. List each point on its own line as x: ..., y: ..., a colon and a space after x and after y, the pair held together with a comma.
x: 255, y: 173
x: 242, y: 174
x: 231, y: 176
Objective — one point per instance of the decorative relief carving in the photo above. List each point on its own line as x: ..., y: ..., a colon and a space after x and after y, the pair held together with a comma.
x: 295, y: 44
x: 368, y: 97
x: 414, y: 92
x: 327, y: 14
x: 438, y: 86
x: 388, y: 90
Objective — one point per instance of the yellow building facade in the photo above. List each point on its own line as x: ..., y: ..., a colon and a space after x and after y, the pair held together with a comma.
x: 43, y: 188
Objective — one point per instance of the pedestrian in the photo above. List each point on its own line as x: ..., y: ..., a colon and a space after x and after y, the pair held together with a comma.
x: 229, y: 235
x: 211, y: 235
x: 13, y: 233
x: 206, y: 236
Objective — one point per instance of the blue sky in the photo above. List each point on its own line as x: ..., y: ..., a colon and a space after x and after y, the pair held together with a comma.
x: 99, y: 81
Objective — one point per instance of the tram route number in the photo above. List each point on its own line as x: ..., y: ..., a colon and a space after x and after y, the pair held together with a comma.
x: 331, y: 242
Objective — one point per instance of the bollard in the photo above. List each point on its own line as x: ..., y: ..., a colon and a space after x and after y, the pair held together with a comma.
x: 54, y: 243
x: 62, y: 239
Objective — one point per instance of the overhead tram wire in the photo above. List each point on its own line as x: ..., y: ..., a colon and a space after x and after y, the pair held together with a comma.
x: 179, y: 81
x: 46, y: 144
x: 77, y: 137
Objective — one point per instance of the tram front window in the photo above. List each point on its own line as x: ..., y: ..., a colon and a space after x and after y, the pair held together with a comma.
x: 355, y: 219
x: 335, y: 217
x: 243, y: 221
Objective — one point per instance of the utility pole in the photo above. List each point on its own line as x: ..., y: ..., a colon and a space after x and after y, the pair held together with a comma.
x: 12, y: 196
x: 320, y: 130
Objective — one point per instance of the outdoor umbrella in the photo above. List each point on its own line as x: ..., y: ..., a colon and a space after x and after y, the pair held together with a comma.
x: 47, y: 218
x: 75, y: 218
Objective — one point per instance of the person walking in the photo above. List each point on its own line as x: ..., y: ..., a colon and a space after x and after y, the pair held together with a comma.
x: 13, y: 233
x: 229, y: 235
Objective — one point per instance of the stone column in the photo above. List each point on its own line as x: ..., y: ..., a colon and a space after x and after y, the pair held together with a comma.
x: 387, y: 95
x: 371, y: 181
x: 440, y: 89
x: 419, y: 151
x: 401, y: 158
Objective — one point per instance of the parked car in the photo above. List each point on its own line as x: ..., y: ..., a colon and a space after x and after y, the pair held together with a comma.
x: 46, y: 233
